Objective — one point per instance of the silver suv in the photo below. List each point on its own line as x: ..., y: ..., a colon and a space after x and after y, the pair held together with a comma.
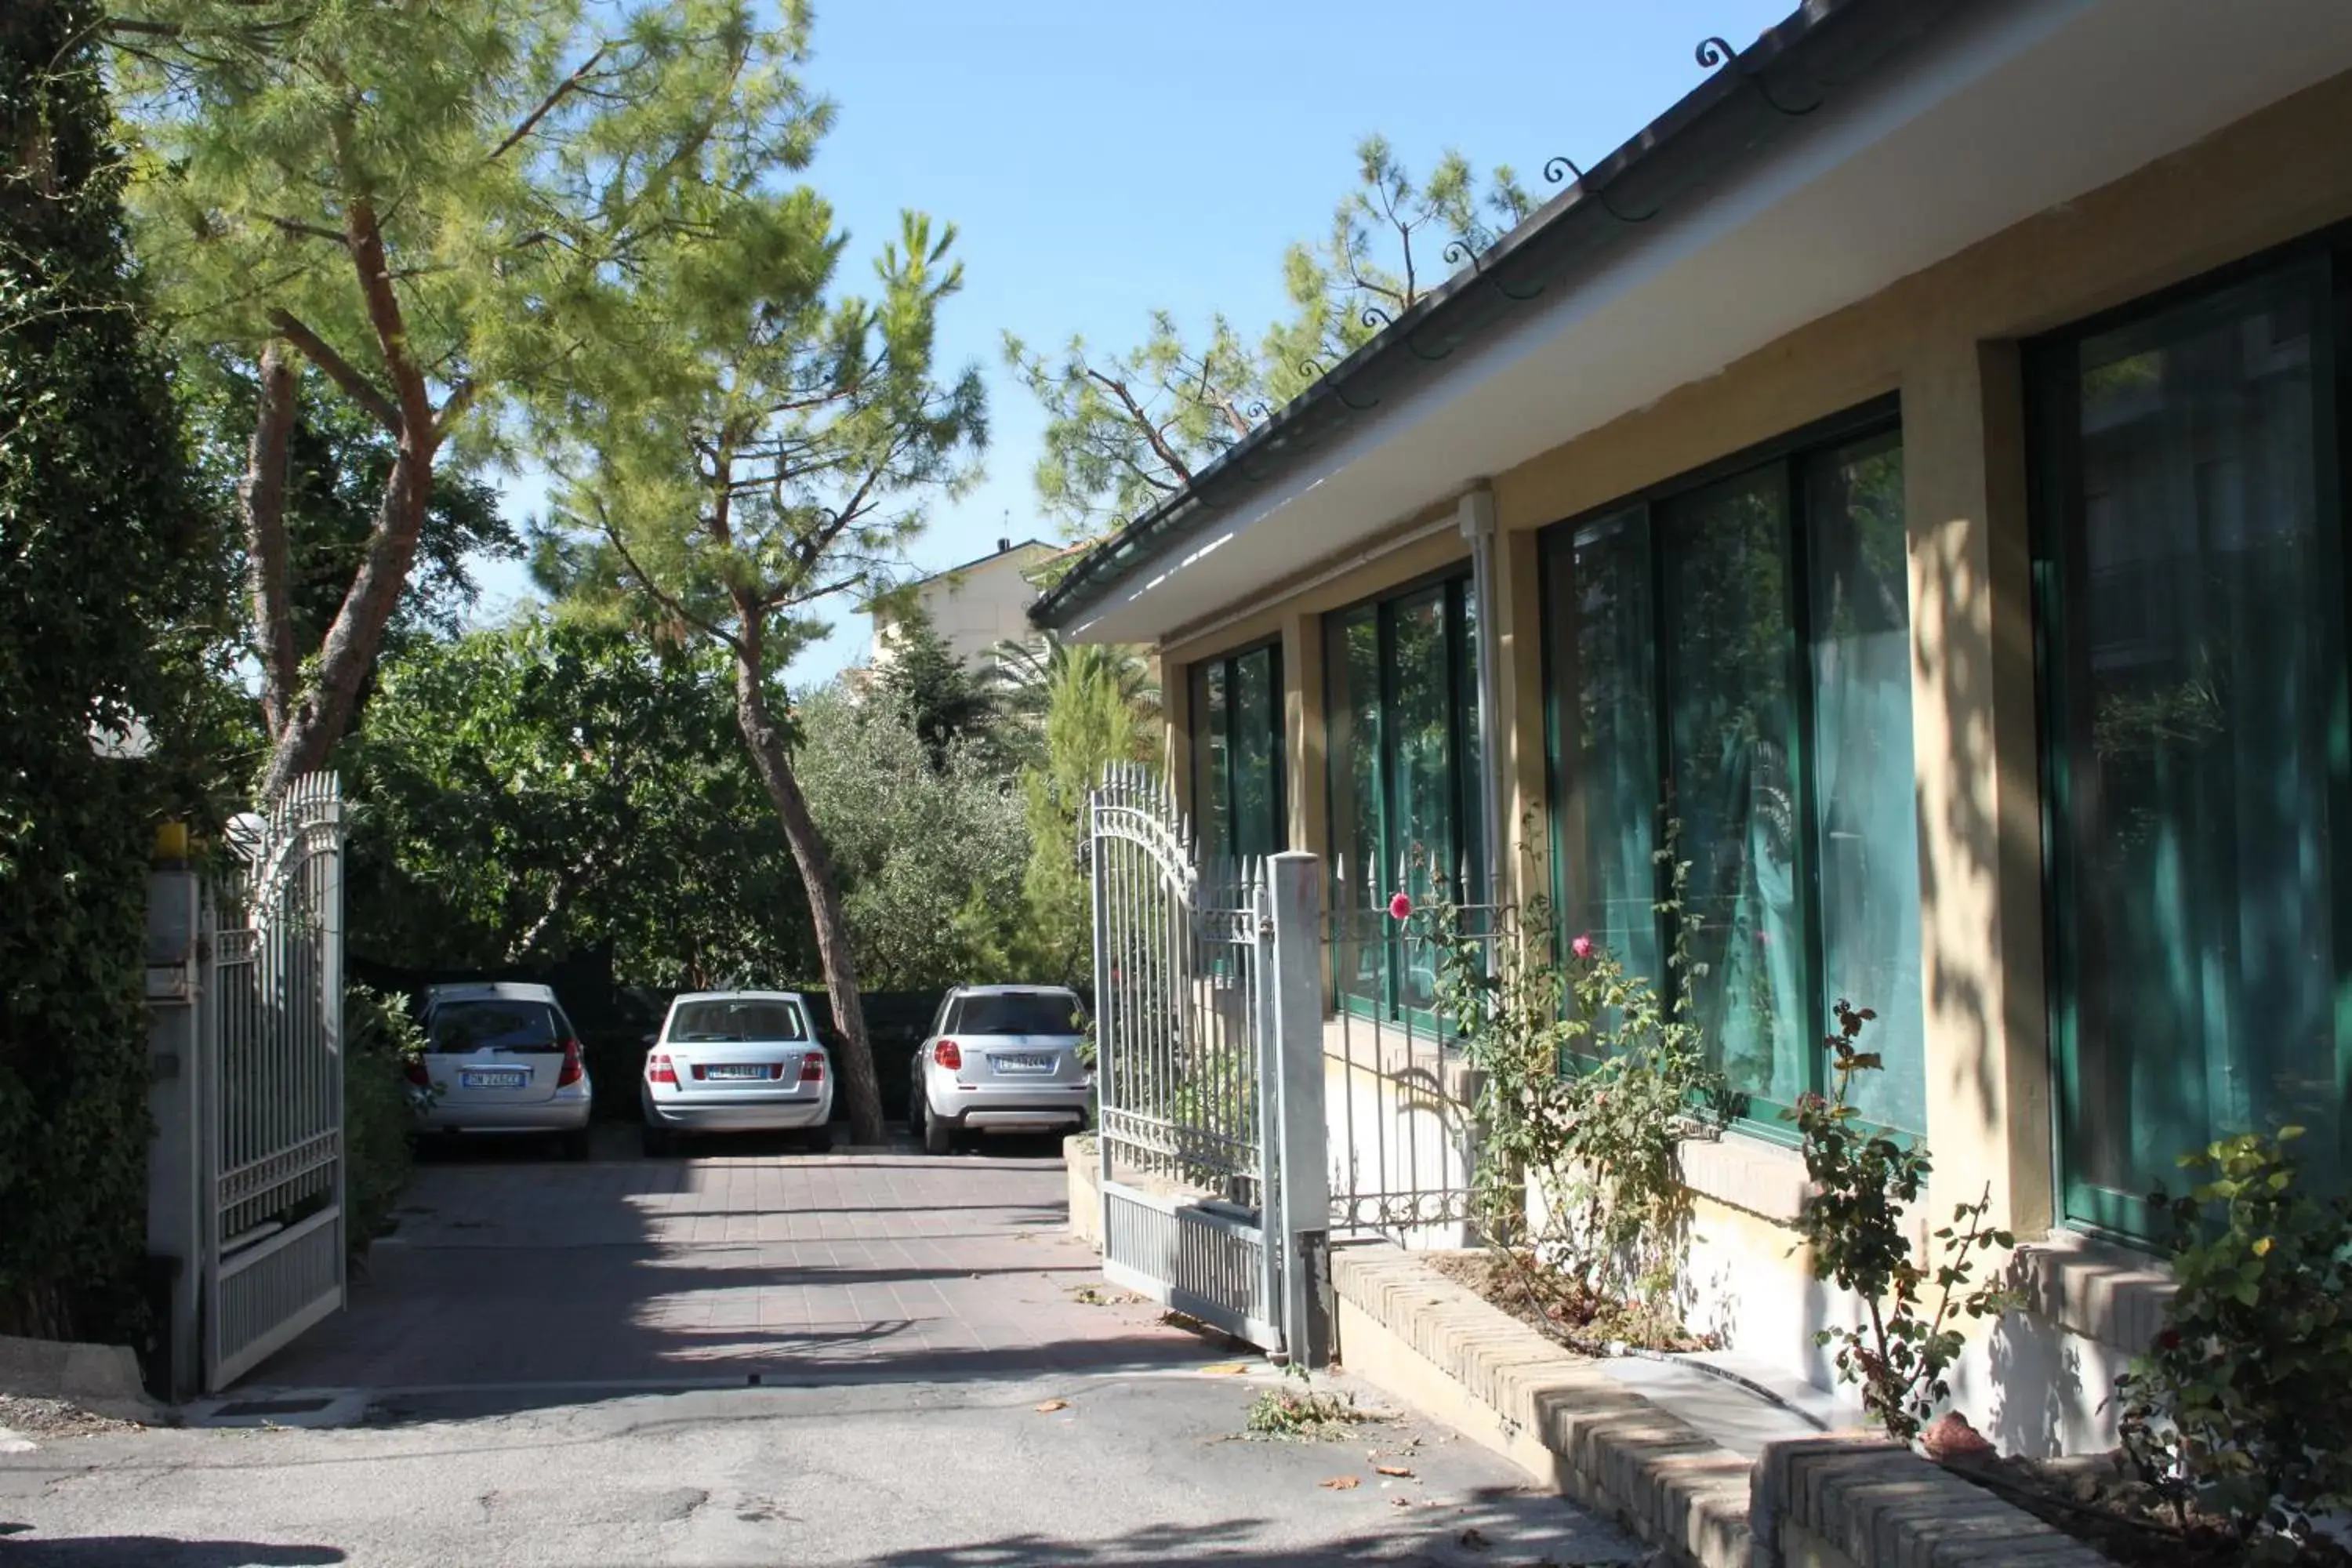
x: 1000, y: 1059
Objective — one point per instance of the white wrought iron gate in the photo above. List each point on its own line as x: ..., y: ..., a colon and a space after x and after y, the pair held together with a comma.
x: 1401, y: 1091
x: 1208, y: 1071
x: 269, y: 1084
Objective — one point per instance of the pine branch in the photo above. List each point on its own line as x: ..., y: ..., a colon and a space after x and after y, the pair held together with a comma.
x: 341, y: 371
x: 1142, y: 422
x: 305, y: 230
x: 662, y: 595
x: 384, y: 317
x: 563, y: 90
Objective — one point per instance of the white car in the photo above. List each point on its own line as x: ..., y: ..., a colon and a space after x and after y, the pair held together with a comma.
x: 501, y: 1057
x: 737, y: 1061
x: 1001, y: 1059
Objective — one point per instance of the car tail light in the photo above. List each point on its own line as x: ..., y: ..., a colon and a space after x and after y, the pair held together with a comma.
x: 416, y: 1073
x: 948, y: 1055
x: 658, y: 1070
x: 573, y: 1068
x: 812, y: 1068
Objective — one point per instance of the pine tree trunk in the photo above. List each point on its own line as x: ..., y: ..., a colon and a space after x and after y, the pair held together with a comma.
x: 770, y: 756
x: 318, y: 719
x: 262, y: 498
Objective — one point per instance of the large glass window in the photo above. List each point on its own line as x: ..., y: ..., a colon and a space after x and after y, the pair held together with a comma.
x: 2193, y: 595
x: 1730, y: 660
x: 1238, y: 804
x: 1400, y: 707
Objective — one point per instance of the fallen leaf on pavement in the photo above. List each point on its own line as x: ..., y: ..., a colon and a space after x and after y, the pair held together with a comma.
x: 1224, y: 1369
x: 1393, y: 1470
x: 1053, y: 1404
x: 1341, y: 1484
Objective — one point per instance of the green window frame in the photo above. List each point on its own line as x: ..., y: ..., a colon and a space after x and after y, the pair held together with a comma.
x: 1240, y: 805
x: 2187, y: 461
x: 1733, y: 648
x: 1402, y: 777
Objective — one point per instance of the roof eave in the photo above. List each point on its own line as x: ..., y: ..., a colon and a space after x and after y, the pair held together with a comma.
x: 1756, y: 96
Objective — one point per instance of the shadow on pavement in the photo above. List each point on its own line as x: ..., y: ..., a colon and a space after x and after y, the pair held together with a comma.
x: 619, y: 1141
x: 521, y: 1280
x: 19, y: 1550
x: 778, y: 1368
x: 1493, y: 1526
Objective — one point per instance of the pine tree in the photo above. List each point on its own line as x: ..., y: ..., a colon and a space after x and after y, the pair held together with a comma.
x: 417, y: 203
x: 763, y: 444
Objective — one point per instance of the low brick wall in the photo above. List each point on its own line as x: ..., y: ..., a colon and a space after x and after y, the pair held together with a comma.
x: 1840, y: 1501
x: 1853, y: 1502
x: 1432, y: 1343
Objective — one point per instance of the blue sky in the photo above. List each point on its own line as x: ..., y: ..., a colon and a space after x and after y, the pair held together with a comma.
x: 1101, y: 158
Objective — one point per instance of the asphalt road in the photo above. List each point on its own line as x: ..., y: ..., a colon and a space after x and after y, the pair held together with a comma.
x: 550, y: 1366
x: 1134, y: 1469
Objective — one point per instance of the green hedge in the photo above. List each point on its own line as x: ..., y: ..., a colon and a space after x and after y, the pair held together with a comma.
x: 379, y: 1040
x: 617, y: 1059
x: 104, y: 550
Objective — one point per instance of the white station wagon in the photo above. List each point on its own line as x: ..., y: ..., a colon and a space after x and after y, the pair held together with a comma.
x: 737, y: 1061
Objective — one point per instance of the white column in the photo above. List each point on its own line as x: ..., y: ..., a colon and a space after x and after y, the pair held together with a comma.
x: 1475, y: 514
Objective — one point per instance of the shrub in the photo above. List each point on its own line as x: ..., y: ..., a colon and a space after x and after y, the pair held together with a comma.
x: 1589, y: 1082
x: 380, y: 1039
x: 1865, y: 1180
x: 2244, y: 1404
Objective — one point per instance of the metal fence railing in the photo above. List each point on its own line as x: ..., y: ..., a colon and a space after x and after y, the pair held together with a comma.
x: 1401, y: 1092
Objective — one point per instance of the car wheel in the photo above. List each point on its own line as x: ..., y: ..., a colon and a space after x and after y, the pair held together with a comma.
x: 821, y: 1140
x: 657, y: 1143
x: 938, y: 1136
x: 578, y: 1144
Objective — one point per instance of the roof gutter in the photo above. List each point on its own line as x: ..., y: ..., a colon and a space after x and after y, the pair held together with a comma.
x: 1756, y: 98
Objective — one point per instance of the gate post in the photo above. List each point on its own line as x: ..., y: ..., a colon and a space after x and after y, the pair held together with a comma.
x: 175, y: 1183
x: 1299, y: 1145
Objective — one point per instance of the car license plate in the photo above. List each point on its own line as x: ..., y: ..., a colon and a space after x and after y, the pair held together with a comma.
x: 1023, y: 1061
x: 509, y: 1078
x: 741, y: 1070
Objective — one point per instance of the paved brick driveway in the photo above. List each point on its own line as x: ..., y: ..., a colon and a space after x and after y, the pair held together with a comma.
x: 715, y: 1269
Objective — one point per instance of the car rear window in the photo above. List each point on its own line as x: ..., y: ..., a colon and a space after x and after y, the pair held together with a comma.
x: 1018, y: 1013
x: 744, y: 1020
x: 496, y: 1024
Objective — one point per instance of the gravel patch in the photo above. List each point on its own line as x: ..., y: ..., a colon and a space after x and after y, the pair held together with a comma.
x: 56, y: 1418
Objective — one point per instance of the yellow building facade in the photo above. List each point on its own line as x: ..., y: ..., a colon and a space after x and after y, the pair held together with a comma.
x: 1924, y: 487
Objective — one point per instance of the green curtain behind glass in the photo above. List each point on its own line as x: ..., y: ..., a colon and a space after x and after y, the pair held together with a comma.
x: 1604, y: 678
x: 1424, y: 848
x: 1726, y: 641
x: 1351, y: 666
x: 2203, y: 668
x: 1257, y: 796
x: 1865, y: 827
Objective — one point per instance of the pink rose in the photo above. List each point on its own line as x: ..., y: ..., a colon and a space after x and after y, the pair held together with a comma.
x: 1582, y: 947
x: 1400, y: 907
